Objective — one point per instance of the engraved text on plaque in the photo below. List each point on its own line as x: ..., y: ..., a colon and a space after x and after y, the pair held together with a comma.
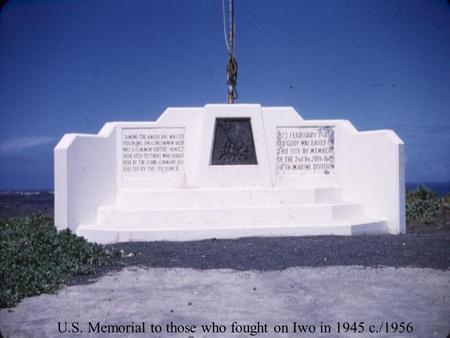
x: 305, y: 150
x: 152, y: 151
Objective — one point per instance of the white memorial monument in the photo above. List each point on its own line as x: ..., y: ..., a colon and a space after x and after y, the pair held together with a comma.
x: 228, y: 171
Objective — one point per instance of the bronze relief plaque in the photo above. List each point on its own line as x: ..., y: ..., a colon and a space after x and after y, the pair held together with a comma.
x: 233, y: 142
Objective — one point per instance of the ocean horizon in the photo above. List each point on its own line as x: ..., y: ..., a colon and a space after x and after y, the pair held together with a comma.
x: 441, y: 188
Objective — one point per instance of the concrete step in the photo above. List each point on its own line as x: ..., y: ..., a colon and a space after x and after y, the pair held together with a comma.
x: 229, y: 217
x: 213, y: 198
x: 108, y: 234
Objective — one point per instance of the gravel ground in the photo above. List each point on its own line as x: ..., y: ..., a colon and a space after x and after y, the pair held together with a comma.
x: 419, y: 250
x: 425, y: 250
x: 328, y: 279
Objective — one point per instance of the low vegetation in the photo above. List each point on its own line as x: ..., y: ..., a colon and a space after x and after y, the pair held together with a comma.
x: 35, y: 258
x: 425, y: 206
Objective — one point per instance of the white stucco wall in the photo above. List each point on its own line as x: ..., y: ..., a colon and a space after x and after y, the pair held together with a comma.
x: 85, y: 176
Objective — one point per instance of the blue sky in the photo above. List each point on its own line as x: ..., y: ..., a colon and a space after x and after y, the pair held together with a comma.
x: 71, y: 66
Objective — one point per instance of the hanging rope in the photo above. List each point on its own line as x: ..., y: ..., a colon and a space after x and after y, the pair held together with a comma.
x: 232, y: 68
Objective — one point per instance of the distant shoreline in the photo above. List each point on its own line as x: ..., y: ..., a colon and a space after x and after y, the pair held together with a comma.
x: 441, y: 188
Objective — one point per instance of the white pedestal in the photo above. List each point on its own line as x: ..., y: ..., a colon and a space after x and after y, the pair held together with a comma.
x: 141, y: 181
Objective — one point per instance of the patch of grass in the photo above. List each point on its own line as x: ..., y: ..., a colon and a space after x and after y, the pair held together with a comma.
x: 35, y: 258
x: 424, y: 205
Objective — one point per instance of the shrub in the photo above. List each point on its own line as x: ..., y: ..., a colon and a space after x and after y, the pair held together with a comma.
x: 445, y: 201
x: 422, y: 205
x: 36, y: 258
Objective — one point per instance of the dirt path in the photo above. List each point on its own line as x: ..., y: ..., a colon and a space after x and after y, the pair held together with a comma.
x: 312, y: 296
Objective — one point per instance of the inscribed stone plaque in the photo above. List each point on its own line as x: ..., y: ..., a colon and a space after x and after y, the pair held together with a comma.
x: 233, y: 142
x: 305, y: 150
x: 152, y: 151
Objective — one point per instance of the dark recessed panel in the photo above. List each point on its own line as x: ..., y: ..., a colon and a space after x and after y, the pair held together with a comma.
x: 233, y: 142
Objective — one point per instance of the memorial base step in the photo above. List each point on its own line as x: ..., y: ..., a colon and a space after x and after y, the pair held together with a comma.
x: 143, y: 214
x: 226, y: 197
x: 108, y: 234
x: 113, y: 216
